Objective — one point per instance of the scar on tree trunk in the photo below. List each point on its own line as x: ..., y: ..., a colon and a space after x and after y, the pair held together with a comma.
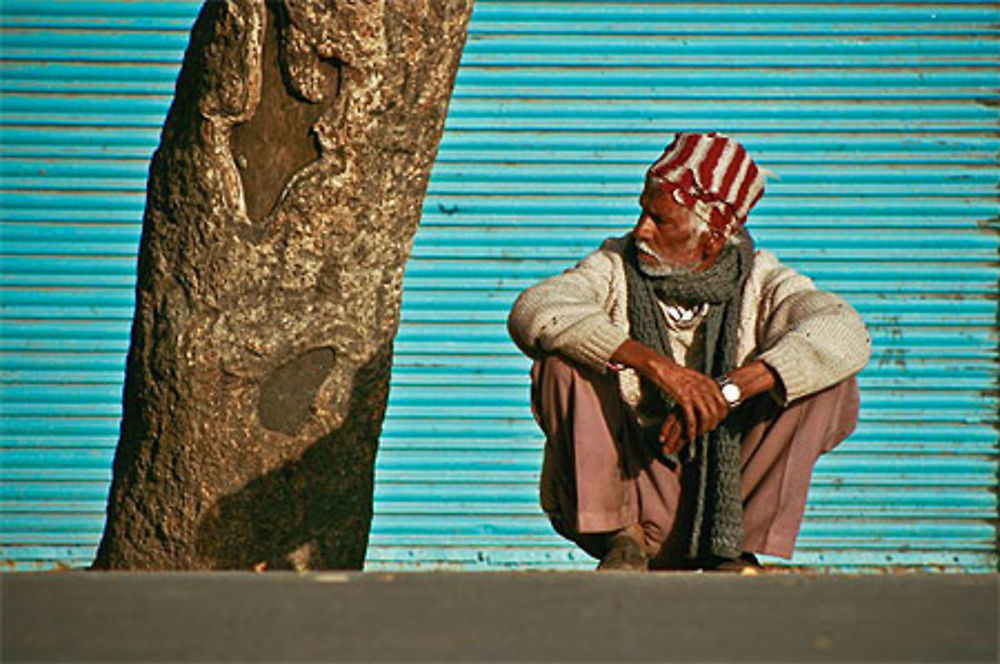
x: 281, y: 127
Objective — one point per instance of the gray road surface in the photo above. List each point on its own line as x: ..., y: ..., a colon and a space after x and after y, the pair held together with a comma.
x: 579, y: 617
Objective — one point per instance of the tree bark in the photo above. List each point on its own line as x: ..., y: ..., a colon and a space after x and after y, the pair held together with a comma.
x: 281, y: 207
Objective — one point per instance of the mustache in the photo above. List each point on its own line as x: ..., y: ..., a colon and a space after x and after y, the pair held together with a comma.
x: 645, y: 248
x: 661, y: 267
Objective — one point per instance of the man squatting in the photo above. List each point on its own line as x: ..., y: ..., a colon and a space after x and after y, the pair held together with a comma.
x: 686, y: 382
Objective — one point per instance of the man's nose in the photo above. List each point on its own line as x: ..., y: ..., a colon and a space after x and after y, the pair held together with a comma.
x: 642, y: 227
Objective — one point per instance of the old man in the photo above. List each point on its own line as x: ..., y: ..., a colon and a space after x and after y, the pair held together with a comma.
x: 686, y: 381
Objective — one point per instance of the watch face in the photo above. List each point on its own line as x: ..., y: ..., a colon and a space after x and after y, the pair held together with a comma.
x: 731, y: 393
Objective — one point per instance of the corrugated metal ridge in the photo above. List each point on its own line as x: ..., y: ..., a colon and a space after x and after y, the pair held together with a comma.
x: 77, y: 173
x: 972, y: 83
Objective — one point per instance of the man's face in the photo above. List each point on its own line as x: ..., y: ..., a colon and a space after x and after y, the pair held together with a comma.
x: 670, y: 237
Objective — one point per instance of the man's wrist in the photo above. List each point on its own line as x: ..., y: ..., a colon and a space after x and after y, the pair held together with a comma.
x: 731, y: 392
x: 631, y: 354
x: 752, y: 379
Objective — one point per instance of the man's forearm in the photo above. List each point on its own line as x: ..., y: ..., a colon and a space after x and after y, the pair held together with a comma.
x: 638, y: 356
x: 754, y: 378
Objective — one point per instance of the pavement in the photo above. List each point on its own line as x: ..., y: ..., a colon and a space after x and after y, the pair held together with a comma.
x: 512, y: 616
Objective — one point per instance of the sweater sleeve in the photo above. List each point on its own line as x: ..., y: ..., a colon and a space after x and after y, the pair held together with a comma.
x: 812, y: 338
x: 568, y: 314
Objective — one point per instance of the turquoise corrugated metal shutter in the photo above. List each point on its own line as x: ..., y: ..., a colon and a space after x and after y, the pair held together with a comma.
x: 880, y: 120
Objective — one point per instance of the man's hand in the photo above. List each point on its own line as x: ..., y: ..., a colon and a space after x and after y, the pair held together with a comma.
x: 700, y: 404
x: 672, y: 433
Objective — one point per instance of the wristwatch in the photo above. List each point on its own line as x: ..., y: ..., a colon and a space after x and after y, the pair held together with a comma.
x: 730, y: 392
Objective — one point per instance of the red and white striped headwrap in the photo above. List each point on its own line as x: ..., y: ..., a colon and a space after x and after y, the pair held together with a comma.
x: 712, y: 175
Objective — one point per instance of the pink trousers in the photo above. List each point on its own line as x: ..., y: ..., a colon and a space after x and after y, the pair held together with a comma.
x: 597, y: 475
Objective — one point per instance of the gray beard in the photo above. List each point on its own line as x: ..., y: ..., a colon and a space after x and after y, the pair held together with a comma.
x: 660, y: 268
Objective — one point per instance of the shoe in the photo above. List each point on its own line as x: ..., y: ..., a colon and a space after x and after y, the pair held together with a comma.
x: 624, y: 555
x: 746, y: 564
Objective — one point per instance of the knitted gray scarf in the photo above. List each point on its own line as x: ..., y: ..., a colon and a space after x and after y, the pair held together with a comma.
x: 718, y: 520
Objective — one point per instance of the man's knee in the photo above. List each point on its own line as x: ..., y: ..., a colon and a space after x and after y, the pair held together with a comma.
x: 844, y: 406
x: 554, y: 375
x: 553, y: 366
x: 833, y: 411
x: 551, y: 380
x: 557, y: 367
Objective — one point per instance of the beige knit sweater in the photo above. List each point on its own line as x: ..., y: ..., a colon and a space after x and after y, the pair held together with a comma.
x: 811, y: 338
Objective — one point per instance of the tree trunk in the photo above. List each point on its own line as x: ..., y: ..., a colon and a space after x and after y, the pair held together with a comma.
x: 281, y: 208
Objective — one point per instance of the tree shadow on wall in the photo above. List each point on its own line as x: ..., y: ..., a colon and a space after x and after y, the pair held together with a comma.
x: 314, y: 512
